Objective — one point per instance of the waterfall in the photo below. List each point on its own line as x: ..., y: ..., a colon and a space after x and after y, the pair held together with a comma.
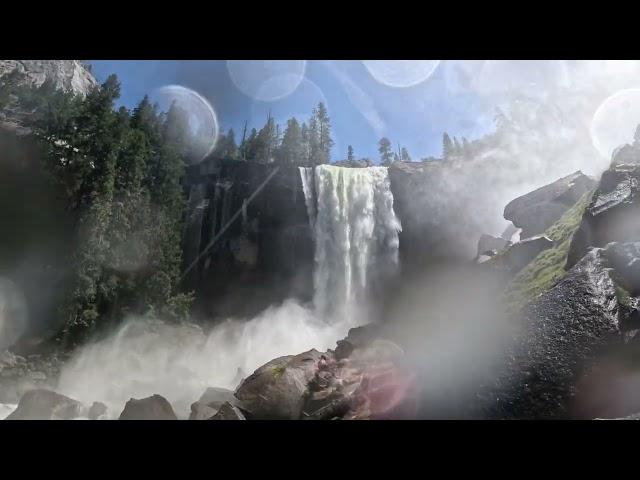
x: 356, y: 234
x: 356, y: 250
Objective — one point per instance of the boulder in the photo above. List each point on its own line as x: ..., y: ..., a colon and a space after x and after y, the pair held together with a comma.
x: 538, y: 210
x: 626, y: 155
x: 519, y: 254
x: 155, y: 407
x: 228, y: 412
x: 216, y: 397
x: 97, y: 410
x: 522, y: 252
x: 201, y: 411
x: 563, y: 334
x: 489, y: 243
x: 611, y: 215
x: 624, y: 258
x: 509, y: 232
x: 277, y: 389
x: 41, y: 404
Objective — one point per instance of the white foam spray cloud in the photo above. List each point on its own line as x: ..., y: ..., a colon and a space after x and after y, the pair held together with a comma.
x: 147, y: 356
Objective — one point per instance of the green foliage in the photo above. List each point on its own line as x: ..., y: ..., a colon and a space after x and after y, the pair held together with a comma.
x: 302, y: 145
x: 548, y: 267
x: 119, y: 173
x: 384, y: 148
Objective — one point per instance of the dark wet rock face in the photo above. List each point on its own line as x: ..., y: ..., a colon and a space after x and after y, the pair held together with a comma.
x: 264, y: 256
x: 155, y: 407
x: 210, y: 403
x: 228, y: 412
x: 216, y: 397
x: 565, y: 333
x: 612, y: 215
x: 538, y: 210
x: 43, y: 404
x: 515, y: 256
x: 201, y: 411
x: 489, y: 243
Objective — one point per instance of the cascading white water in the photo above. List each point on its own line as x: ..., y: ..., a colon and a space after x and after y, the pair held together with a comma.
x: 356, y: 234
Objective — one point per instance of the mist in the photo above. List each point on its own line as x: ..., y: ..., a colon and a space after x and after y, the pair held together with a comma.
x: 147, y: 356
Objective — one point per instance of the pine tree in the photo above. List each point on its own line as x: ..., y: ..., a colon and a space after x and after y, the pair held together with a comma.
x: 252, y: 146
x: 350, y: 156
x: 447, y: 146
x: 313, y: 139
x: 292, y: 150
x: 325, y: 142
x: 384, y: 148
x: 404, y: 155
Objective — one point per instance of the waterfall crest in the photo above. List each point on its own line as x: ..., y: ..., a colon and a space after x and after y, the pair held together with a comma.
x: 356, y: 234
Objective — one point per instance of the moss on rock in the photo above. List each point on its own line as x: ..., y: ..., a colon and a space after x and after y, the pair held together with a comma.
x: 548, y: 267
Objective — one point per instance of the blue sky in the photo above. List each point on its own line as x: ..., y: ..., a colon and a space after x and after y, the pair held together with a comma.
x: 362, y: 108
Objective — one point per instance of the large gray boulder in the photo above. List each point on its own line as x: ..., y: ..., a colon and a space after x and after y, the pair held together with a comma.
x: 516, y: 256
x: 277, y: 389
x: 210, y: 402
x: 521, y: 253
x: 575, y: 342
x: 612, y: 214
x: 489, y: 243
x: 41, y: 404
x: 215, y: 397
x: 538, y: 210
x: 228, y: 412
x: 201, y: 411
x: 155, y: 407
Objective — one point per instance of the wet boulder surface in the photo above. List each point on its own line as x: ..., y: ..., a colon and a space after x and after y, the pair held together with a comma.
x: 567, y: 338
x: 210, y: 403
x: 361, y: 379
x: 228, y: 411
x: 612, y: 214
x: 41, y: 404
x: 517, y: 255
x: 538, y: 210
x: 154, y: 407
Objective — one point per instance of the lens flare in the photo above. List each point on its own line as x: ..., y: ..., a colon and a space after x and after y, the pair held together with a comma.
x: 615, y: 121
x: 267, y: 80
x: 203, y: 120
x: 401, y: 73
